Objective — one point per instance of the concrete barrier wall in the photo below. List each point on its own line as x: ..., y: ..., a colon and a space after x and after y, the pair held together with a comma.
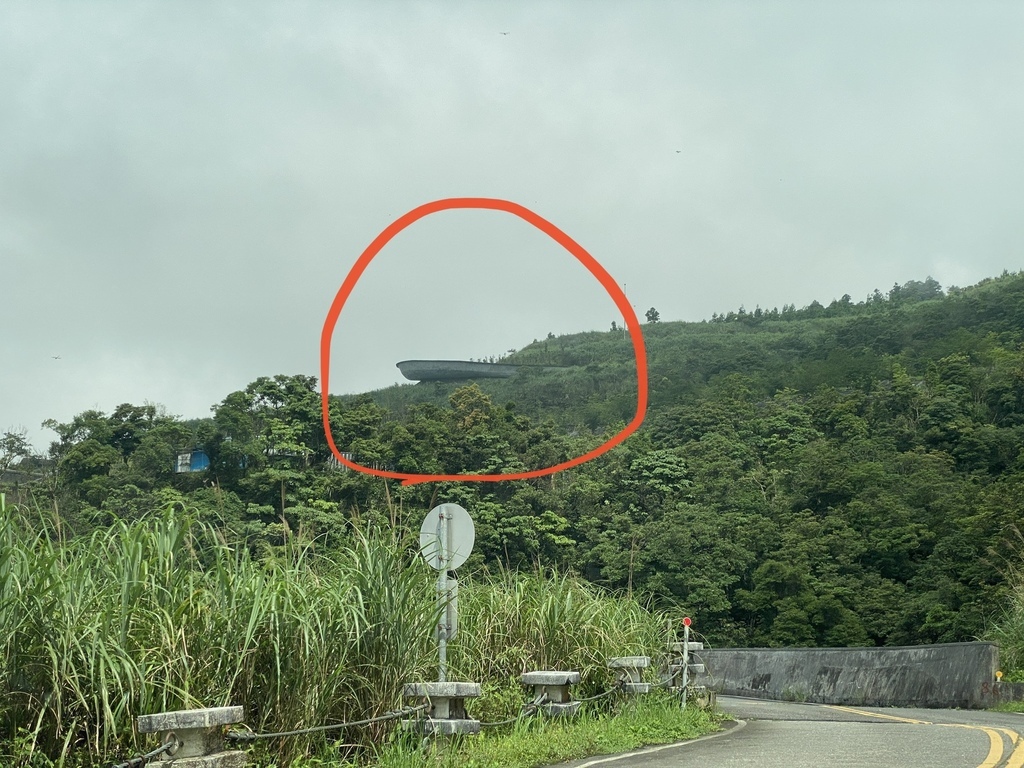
x: 943, y: 675
x: 1006, y: 692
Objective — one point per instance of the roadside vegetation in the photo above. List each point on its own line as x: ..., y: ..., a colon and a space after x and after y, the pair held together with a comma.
x: 835, y: 475
x: 1008, y: 629
x: 841, y: 474
x: 631, y: 724
x: 161, y: 614
x: 1009, y: 706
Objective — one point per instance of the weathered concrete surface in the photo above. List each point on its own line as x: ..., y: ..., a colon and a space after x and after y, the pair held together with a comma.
x: 630, y: 673
x: 196, y: 733
x: 629, y: 662
x: 460, y: 727
x: 958, y: 675
x: 1004, y: 692
x: 678, y: 647
x: 190, y: 718
x: 550, y: 677
x: 561, y: 708
x: 234, y: 759
x: 443, y: 690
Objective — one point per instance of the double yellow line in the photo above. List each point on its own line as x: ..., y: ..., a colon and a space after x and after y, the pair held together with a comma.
x: 995, y: 737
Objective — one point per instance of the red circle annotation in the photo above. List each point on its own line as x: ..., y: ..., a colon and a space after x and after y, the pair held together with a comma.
x: 556, y: 234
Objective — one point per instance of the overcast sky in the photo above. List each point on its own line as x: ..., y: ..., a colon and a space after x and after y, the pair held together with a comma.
x: 185, y: 185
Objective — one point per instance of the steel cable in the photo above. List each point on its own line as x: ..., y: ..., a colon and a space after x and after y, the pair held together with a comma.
x: 600, y: 695
x: 527, y: 710
x: 135, y: 762
x: 250, y: 736
x: 241, y: 736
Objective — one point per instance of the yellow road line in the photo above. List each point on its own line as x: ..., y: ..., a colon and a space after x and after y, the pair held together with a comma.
x: 878, y: 715
x: 995, y: 751
x: 995, y: 736
x: 1017, y: 758
x: 995, y: 742
x: 1013, y: 736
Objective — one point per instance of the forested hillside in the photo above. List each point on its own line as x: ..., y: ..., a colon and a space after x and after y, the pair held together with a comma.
x: 832, y: 475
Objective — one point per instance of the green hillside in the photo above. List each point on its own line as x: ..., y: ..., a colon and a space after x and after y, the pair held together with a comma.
x: 830, y: 475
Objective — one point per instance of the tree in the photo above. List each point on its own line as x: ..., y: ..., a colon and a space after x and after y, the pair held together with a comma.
x: 653, y: 315
x: 14, y: 446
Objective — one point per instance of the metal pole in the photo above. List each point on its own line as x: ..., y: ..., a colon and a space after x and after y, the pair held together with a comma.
x: 442, y: 594
x: 686, y: 661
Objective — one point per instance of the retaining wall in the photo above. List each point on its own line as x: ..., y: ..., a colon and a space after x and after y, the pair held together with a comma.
x: 942, y: 675
x: 1002, y: 693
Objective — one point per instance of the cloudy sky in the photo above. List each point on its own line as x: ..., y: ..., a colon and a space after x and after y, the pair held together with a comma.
x: 185, y: 185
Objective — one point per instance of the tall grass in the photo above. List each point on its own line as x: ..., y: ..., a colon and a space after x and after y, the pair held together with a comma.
x: 162, y: 614
x: 517, y: 622
x: 1008, y: 629
x: 1008, y: 633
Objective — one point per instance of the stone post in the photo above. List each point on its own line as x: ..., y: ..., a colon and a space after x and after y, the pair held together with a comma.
x: 198, y: 736
x: 630, y: 677
x: 681, y: 668
x: 447, y: 713
x: 554, y: 687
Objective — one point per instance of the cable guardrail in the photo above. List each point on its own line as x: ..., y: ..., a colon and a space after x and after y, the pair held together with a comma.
x: 202, y: 724
x: 136, y: 762
x: 250, y: 736
x: 527, y: 710
x: 598, y: 696
x: 536, y: 704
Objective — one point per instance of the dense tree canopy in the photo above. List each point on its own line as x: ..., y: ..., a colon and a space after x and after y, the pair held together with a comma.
x: 834, y: 475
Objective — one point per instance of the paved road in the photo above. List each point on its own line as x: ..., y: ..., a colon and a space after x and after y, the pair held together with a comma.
x: 773, y: 734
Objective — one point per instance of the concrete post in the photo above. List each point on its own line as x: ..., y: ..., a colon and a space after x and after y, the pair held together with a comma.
x: 447, y: 713
x: 198, y: 735
x: 682, y: 669
x: 554, y: 687
x: 630, y: 677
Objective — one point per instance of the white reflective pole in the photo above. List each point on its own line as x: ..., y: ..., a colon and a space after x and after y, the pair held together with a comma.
x: 442, y: 592
x: 686, y: 660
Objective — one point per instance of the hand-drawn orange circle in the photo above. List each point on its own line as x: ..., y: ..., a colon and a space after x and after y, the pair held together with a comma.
x: 577, y: 250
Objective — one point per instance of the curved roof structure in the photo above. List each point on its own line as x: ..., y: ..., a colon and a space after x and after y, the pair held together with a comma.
x: 454, y: 370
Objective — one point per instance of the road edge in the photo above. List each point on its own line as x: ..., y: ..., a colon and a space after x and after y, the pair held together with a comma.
x: 729, y: 727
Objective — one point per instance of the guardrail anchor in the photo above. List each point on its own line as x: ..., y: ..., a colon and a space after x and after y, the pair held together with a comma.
x: 198, y: 736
